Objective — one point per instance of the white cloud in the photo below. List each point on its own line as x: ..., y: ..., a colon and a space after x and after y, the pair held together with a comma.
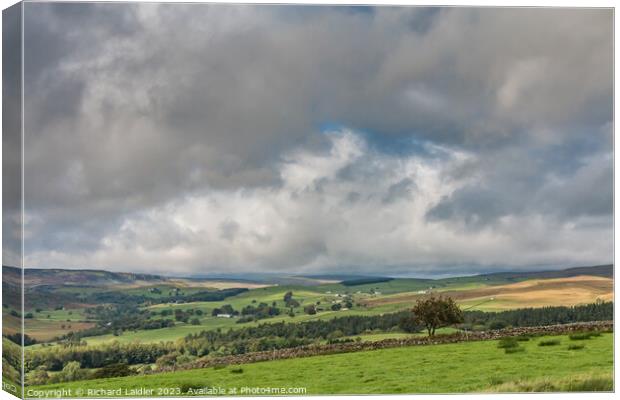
x: 329, y: 213
x: 523, y: 76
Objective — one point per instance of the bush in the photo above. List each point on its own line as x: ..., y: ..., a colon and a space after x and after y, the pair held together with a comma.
x: 512, y: 350
x: 335, y: 334
x: 143, y: 369
x: 17, y: 339
x: 497, y: 324
x: 37, y: 377
x: 580, y: 336
x: 551, y: 342
x: 185, y: 359
x: 576, y: 346
x: 584, y: 335
x: 71, y: 372
x: 9, y: 371
x: 167, y: 360
x: 113, y: 371
x: 310, y: 309
x: 523, y: 338
x: 510, y: 345
x: 236, y: 371
x: 186, y: 386
x: 336, y: 341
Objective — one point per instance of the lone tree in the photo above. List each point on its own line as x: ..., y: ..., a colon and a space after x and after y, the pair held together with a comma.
x: 310, y: 309
x: 435, y: 312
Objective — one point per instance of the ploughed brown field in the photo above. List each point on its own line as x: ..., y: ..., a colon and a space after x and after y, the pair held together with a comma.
x: 43, y: 330
x: 569, y: 291
x: 47, y: 330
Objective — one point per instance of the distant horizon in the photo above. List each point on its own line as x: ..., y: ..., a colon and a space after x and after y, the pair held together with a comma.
x: 239, y: 276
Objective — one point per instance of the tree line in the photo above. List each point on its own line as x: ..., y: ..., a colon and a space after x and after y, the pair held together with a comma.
x: 599, y: 311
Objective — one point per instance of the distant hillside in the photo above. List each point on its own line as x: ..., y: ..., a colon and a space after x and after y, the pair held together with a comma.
x: 36, y: 277
x: 364, y: 281
x: 273, y: 278
x: 605, y: 271
x: 341, y: 277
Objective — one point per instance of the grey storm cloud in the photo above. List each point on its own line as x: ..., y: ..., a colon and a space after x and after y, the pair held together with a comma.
x: 449, y: 126
x: 11, y: 138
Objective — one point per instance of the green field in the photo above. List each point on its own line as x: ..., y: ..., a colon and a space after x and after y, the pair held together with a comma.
x: 211, y: 323
x: 448, y: 368
x: 368, y: 299
x: 303, y: 295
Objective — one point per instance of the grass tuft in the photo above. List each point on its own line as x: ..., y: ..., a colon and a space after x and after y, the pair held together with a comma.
x: 580, y: 336
x: 550, y: 342
x: 494, y: 381
x: 592, y: 384
x: 576, y: 346
x: 579, y: 383
x: 584, y: 335
x: 236, y: 371
x: 512, y: 350
x: 186, y: 386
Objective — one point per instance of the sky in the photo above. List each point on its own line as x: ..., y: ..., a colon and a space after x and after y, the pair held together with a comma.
x: 191, y: 139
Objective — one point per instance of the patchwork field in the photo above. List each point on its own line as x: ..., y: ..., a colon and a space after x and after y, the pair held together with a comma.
x: 473, y: 293
x: 568, y: 291
x: 449, y: 368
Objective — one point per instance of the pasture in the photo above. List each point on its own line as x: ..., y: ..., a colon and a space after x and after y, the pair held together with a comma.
x: 447, y: 368
x: 163, y: 311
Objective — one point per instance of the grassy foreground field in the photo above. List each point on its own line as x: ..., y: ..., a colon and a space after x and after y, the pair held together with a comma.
x: 449, y: 368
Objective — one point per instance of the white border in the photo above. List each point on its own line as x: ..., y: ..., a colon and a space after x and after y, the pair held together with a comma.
x: 483, y: 3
